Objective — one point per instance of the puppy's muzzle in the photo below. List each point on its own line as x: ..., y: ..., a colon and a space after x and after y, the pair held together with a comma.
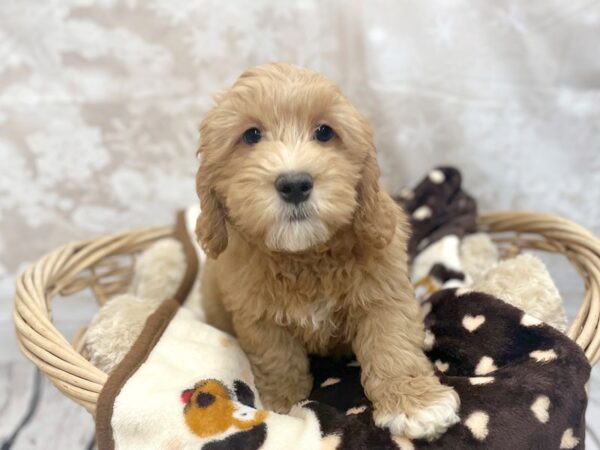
x: 294, y: 187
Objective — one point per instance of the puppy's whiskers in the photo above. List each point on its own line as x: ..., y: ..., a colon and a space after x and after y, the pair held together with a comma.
x: 297, y: 228
x: 298, y: 214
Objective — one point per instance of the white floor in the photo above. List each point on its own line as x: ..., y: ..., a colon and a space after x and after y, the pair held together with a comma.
x: 36, y: 416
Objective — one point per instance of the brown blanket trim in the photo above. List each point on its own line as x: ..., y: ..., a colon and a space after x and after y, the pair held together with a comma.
x: 191, y: 258
x: 150, y: 335
x: 152, y: 332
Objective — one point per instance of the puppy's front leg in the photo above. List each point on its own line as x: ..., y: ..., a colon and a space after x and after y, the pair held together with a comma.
x: 279, y: 363
x: 397, y: 376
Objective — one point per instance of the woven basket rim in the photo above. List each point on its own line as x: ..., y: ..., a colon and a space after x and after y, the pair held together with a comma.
x: 79, y: 380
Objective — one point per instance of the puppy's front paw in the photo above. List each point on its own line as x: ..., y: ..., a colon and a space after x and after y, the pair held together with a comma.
x: 418, y: 415
x: 281, y: 395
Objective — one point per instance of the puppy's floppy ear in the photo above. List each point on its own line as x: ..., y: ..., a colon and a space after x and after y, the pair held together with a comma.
x: 375, y: 218
x: 211, y: 226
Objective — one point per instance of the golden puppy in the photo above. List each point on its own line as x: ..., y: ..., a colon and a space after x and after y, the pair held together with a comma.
x: 309, y: 253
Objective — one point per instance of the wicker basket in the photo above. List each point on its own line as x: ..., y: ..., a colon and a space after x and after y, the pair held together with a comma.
x: 104, y: 265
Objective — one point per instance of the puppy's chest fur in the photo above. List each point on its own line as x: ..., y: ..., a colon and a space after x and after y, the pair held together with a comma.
x: 314, y: 299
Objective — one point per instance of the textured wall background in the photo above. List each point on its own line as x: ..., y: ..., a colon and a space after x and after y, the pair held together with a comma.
x: 100, y: 101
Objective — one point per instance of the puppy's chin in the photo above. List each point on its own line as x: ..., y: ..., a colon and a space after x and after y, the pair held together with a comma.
x: 296, y: 235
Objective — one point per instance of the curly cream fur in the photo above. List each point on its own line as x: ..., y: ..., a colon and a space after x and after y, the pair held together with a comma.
x: 478, y: 254
x: 524, y: 282
x: 159, y: 270
x: 115, y: 328
x: 335, y: 281
x: 118, y: 323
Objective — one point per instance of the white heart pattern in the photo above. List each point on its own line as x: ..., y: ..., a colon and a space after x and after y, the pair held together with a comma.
x: 568, y: 440
x: 471, y: 323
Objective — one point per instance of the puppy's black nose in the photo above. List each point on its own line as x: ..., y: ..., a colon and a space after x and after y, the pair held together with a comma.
x: 294, y: 187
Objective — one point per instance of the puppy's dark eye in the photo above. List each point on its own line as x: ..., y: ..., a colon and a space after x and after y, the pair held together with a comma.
x: 251, y: 136
x: 324, y: 133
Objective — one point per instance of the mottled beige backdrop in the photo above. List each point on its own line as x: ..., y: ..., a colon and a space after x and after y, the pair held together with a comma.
x: 100, y: 101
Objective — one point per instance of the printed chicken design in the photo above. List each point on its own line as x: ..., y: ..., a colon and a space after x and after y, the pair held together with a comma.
x: 210, y: 410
